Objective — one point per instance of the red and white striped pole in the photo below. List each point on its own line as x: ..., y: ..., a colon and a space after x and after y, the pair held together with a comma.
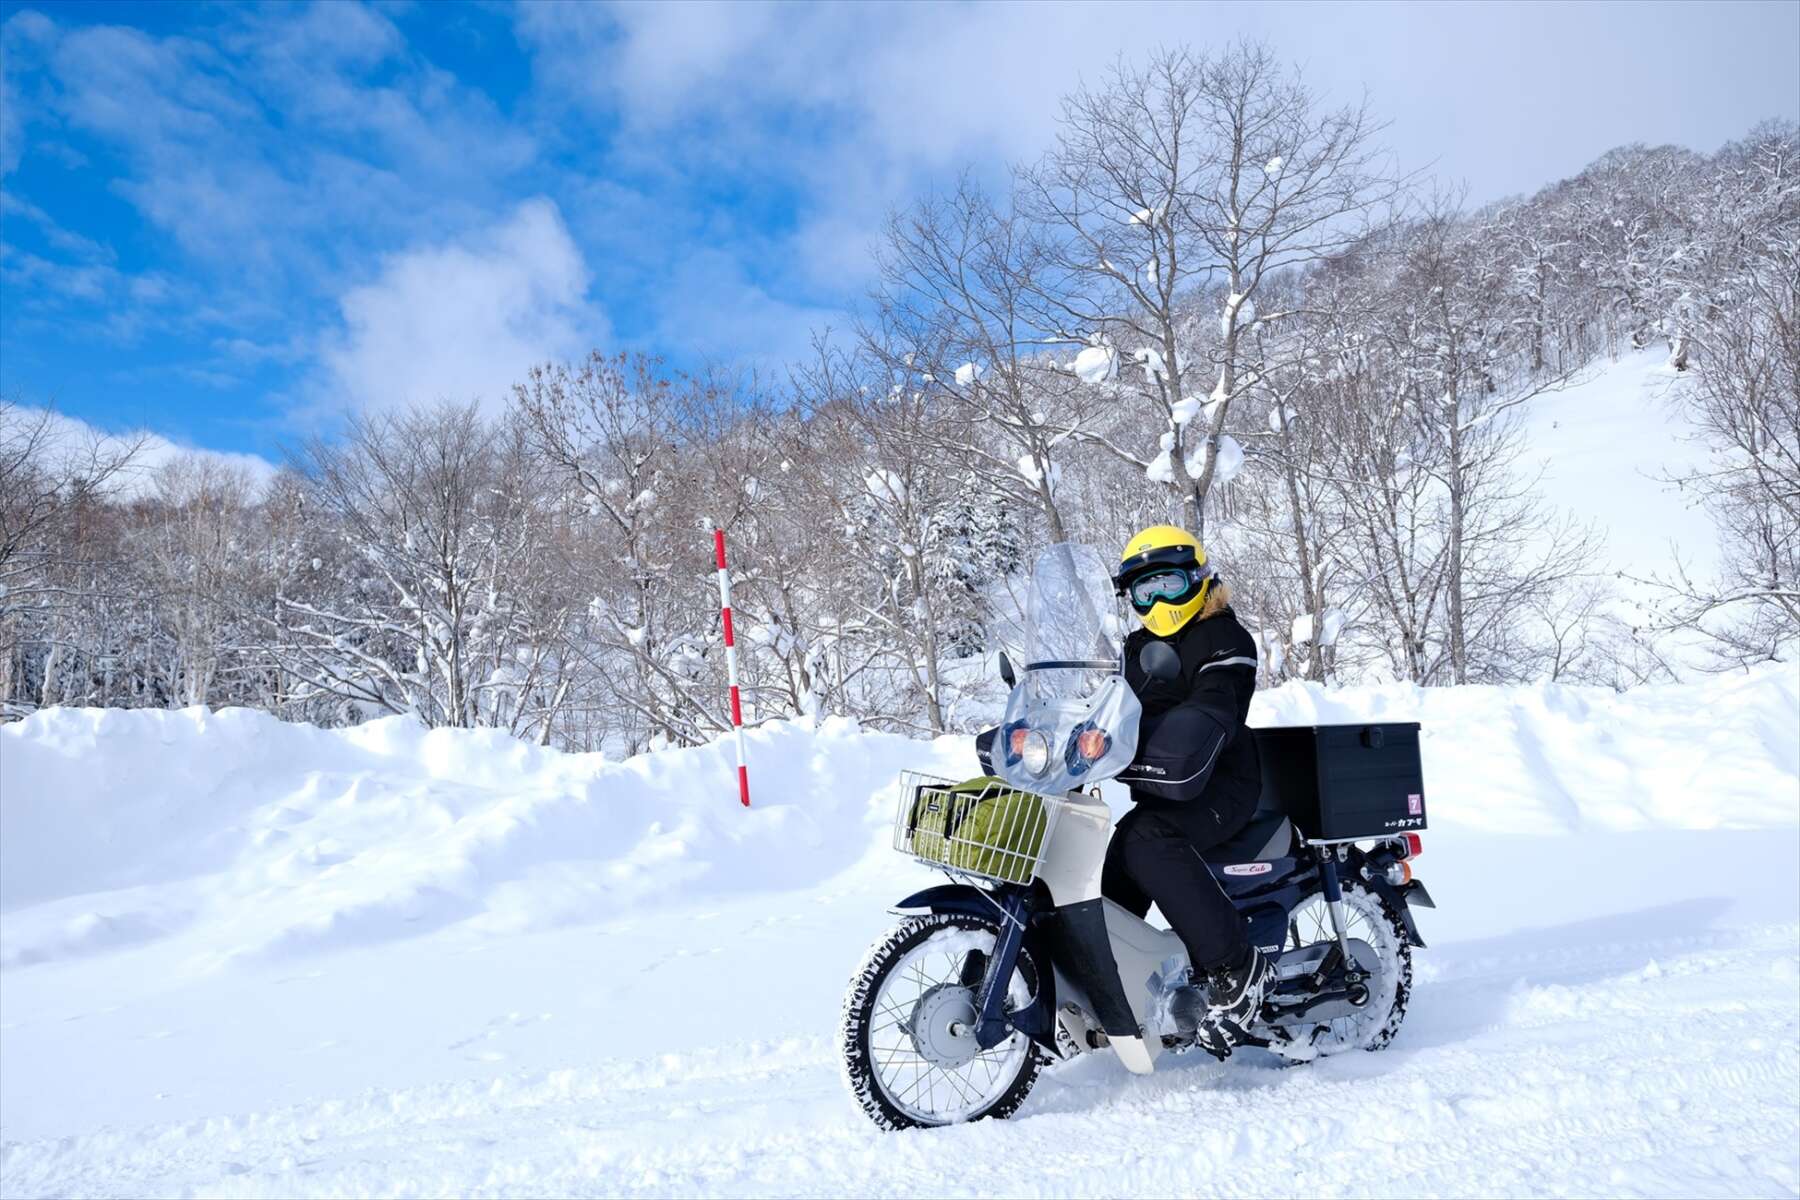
x: 731, y: 671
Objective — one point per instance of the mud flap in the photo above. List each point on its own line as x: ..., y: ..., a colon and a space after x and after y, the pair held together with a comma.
x: 1397, y: 899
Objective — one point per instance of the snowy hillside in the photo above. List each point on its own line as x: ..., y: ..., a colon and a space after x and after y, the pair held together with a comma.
x: 1602, y: 449
x: 1602, y: 452
x: 250, y: 958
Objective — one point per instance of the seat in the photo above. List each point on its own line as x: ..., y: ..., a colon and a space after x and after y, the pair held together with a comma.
x: 1268, y: 835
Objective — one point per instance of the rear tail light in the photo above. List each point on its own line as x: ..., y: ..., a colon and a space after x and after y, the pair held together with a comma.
x: 1414, y: 845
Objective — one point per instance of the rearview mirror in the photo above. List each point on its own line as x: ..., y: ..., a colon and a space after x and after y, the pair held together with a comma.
x: 1006, y: 671
x: 1159, y: 661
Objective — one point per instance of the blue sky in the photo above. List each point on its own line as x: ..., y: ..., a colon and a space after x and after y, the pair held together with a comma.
x: 230, y: 225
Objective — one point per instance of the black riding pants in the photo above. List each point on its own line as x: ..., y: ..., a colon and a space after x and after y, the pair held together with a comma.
x: 1153, y: 860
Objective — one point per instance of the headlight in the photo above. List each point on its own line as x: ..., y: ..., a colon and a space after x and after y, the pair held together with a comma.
x: 1035, y: 753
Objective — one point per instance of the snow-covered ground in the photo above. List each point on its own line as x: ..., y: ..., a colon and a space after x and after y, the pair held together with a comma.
x: 239, y: 957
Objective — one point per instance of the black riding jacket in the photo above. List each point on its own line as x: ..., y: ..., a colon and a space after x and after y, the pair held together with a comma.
x: 1196, y: 762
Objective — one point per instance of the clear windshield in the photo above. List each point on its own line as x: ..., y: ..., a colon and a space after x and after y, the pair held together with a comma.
x: 1071, y: 619
x: 1070, y: 695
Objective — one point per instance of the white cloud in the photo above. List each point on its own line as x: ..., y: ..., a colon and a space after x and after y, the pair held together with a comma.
x: 19, y: 38
x: 282, y: 142
x: 463, y: 320
x: 65, y: 240
x: 911, y: 82
x: 851, y: 110
x: 77, y: 440
x: 12, y: 124
x: 91, y: 293
x: 857, y: 109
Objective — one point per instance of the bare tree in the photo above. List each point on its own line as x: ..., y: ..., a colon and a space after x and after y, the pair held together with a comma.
x: 622, y: 436
x: 1466, y: 381
x: 1196, y: 174
x: 1746, y: 404
x: 1626, y: 216
x: 55, y: 482
x: 194, y: 544
x: 906, y: 510
x: 47, y: 471
x: 1292, y: 513
x: 431, y: 614
x: 962, y: 284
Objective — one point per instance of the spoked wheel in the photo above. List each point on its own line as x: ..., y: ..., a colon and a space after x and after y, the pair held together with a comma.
x: 1373, y: 1026
x: 908, y: 1035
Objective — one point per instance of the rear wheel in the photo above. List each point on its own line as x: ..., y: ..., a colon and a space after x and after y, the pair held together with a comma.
x: 908, y: 1040
x: 1371, y: 1027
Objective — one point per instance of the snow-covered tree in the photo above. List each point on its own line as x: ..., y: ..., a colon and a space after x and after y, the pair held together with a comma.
x: 1743, y: 293
x: 432, y: 609
x: 1193, y: 175
x: 962, y: 280
x: 1198, y: 308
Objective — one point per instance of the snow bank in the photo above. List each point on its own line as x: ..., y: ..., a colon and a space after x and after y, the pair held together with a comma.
x: 262, y: 838
x: 126, y: 826
x: 1721, y: 752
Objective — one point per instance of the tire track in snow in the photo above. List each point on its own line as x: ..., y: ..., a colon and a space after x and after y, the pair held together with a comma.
x: 1640, y: 1067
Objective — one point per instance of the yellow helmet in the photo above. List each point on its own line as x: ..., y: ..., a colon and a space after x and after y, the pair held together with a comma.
x: 1163, y: 573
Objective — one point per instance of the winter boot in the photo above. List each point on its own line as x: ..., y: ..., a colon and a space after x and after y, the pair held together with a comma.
x: 1235, y: 992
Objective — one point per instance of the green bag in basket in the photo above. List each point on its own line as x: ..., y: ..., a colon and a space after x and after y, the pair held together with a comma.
x: 933, y: 817
x: 999, y: 835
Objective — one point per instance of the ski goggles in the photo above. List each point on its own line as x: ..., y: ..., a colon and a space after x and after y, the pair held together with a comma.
x: 1173, y: 584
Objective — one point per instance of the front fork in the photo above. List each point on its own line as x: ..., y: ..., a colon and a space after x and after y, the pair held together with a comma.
x: 992, y: 1024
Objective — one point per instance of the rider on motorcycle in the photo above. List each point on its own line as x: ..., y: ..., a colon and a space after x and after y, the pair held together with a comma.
x: 1196, y: 778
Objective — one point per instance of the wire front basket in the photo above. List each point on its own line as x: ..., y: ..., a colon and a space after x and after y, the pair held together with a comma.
x: 983, y: 827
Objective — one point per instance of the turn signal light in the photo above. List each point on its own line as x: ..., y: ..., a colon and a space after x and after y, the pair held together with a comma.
x: 1400, y: 874
x: 1092, y: 744
x: 1018, y: 741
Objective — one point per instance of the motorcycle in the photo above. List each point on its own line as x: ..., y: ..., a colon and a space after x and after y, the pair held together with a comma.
x: 1019, y: 962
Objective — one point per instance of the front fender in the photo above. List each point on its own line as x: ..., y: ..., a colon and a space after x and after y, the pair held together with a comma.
x: 951, y: 898
x: 1036, y: 1020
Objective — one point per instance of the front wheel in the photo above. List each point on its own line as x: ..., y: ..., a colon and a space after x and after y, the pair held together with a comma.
x: 908, y: 1040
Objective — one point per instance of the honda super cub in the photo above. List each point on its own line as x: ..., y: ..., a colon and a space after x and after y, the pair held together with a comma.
x: 1019, y: 961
